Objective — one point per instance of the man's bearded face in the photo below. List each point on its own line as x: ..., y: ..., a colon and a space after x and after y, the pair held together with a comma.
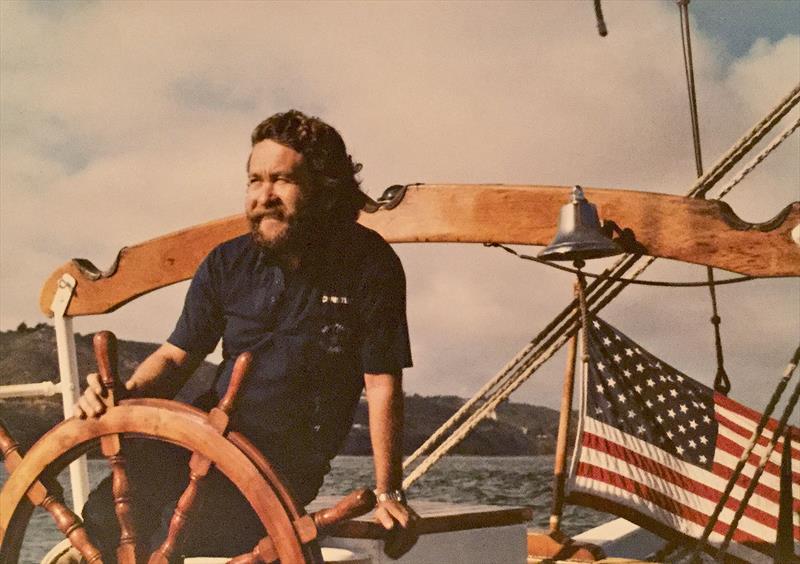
x: 275, y: 202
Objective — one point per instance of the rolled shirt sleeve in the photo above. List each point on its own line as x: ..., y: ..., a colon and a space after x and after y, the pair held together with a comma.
x: 384, y: 346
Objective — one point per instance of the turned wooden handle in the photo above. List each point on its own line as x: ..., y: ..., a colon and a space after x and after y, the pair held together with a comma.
x: 8, y: 446
x: 105, y: 351
x: 199, y: 466
x: 240, y: 369
x: 51, y: 499
x: 356, y: 503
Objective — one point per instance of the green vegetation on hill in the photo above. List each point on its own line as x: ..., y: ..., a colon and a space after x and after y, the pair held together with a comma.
x: 28, y: 355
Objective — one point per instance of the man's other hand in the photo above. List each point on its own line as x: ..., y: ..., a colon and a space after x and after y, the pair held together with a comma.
x: 390, y: 512
x: 401, y: 523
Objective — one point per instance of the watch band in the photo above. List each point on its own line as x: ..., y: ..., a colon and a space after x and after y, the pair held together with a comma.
x: 393, y: 495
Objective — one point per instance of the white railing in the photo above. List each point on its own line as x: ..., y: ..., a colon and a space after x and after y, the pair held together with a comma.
x: 68, y: 385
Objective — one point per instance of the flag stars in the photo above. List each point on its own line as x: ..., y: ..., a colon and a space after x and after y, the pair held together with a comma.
x: 596, y: 324
x: 693, y: 424
x: 692, y: 444
x: 706, y: 419
x: 599, y: 388
x: 682, y: 429
x: 671, y: 413
x: 617, y: 358
x: 659, y: 419
x: 703, y: 439
x: 638, y: 389
x: 679, y: 377
x: 670, y: 434
x: 629, y: 352
x: 702, y: 458
x: 598, y: 410
x: 621, y: 398
x: 683, y: 408
x: 662, y: 377
x: 606, y: 341
x: 649, y: 404
x: 673, y: 392
x: 631, y: 414
x: 640, y: 429
x: 601, y: 366
x: 611, y: 382
x: 627, y: 373
x: 679, y: 449
x: 661, y: 398
x: 650, y: 383
x: 639, y: 368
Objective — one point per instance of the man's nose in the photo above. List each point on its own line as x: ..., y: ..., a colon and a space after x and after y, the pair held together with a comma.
x: 265, y: 193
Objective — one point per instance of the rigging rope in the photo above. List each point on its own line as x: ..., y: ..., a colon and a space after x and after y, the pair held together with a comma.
x: 737, y: 471
x: 561, y: 328
x: 748, y: 168
x: 504, y: 388
x: 601, y: 23
x: 745, y: 144
x: 722, y: 383
x: 659, y: 283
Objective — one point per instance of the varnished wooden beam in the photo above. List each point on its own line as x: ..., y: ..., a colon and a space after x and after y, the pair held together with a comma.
x: 684, y: 229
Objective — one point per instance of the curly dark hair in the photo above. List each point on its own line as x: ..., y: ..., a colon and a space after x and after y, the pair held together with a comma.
x: 336, y: 190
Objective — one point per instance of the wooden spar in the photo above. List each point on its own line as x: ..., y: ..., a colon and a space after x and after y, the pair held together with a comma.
x: 560, y: 463
x: 675, y: 227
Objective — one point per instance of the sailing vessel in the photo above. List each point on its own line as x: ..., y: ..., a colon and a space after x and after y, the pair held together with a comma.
x: 686, y: 229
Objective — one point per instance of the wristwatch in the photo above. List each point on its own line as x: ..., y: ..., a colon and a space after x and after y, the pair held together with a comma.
x: 393, y: 495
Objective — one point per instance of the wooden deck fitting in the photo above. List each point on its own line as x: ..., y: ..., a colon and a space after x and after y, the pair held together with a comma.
x: 558, y: 546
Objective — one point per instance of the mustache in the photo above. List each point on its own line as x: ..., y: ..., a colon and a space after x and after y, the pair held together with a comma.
x: 272, y: 211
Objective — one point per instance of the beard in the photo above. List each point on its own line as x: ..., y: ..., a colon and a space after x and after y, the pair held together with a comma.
x: 296, y: 234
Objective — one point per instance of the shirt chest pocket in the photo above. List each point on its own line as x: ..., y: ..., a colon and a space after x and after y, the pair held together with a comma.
x: 331, y: 329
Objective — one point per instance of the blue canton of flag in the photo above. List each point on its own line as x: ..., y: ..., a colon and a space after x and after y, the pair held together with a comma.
x: 633, y: 391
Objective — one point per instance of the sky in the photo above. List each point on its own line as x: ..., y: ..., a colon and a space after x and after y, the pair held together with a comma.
x: 122, y: 121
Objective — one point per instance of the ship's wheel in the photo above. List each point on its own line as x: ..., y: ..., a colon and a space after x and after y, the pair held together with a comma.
x: 290, y: 531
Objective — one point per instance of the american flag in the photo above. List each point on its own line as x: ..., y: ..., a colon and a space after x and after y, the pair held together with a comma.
x: 658, y: 448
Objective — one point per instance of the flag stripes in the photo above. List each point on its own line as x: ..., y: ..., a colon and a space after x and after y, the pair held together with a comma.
x: 663, y: 446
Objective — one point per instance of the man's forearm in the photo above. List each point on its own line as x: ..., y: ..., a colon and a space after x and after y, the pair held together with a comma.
x: 385, y: 402
x: 162, y: 373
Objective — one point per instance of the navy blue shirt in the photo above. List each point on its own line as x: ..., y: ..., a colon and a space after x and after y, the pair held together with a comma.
x: 313, y: 333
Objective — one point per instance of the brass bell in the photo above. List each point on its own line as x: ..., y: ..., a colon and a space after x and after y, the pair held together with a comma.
x: 579, y: 235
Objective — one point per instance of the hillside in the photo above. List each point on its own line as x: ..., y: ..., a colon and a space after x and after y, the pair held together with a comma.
x: 29, y: 355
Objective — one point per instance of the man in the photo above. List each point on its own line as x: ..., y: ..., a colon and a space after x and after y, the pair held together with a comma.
x: 319, y: 301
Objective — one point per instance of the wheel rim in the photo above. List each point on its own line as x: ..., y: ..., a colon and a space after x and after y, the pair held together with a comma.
x: 159, y: 420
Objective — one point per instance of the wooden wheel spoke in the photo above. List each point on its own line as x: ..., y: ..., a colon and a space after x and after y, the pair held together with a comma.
x: 205, y: 435
x: 308, y: 527
x: 51, y: 499
x: 105, y: 350
x: 199, y: 466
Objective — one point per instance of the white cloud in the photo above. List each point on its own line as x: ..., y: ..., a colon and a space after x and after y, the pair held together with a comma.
x: 121, y: 121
